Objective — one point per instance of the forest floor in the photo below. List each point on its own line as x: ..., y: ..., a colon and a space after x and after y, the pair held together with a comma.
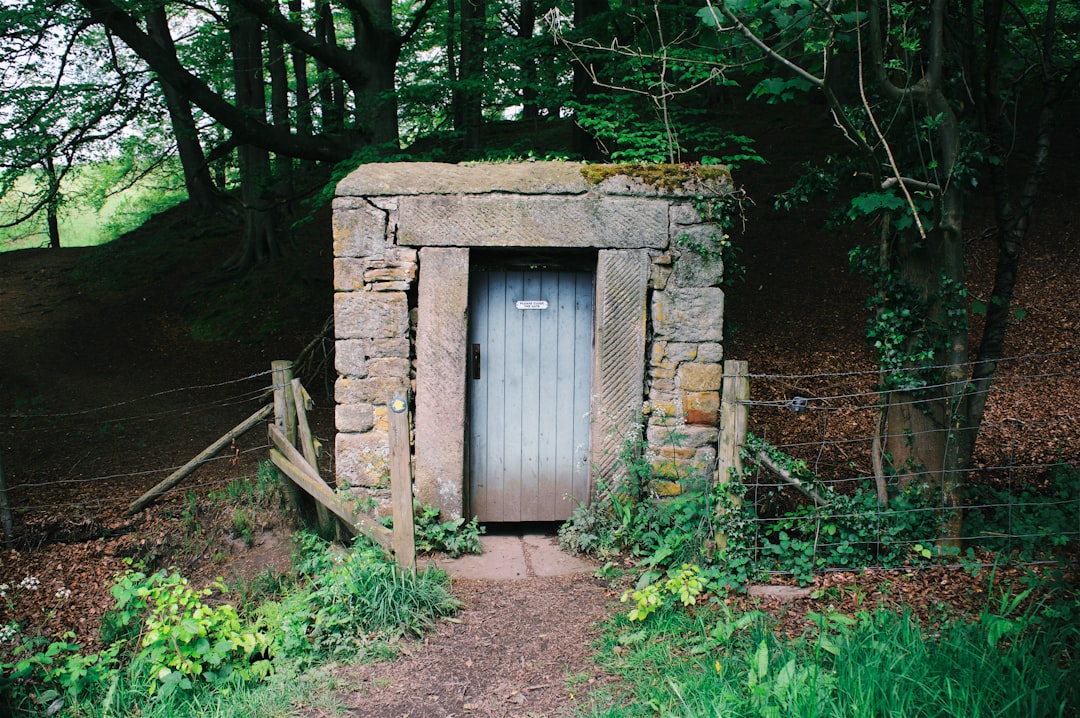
x: 110, y: 379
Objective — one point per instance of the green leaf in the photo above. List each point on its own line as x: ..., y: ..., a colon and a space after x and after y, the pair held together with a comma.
x: 761, y: 659
x: 871, y: 202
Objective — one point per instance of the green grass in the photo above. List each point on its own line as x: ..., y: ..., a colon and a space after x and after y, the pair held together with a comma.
x: 92, y: 217
x: 715, y: 663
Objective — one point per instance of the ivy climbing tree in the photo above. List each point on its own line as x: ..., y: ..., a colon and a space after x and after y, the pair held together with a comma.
x: 933, y: 99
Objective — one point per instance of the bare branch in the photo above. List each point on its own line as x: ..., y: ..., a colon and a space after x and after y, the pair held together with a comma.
x: 761, y: 45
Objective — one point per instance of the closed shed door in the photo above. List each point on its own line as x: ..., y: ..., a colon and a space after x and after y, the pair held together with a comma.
x: 530, y: 362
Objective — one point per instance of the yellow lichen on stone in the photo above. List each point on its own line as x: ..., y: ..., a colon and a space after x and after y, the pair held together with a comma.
x: 667, y: 488
x: 666, y: 176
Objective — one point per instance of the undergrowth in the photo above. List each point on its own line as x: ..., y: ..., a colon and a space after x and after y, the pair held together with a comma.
x: 453, y: 537
x: 175, y: 649
x: 735, y: 541
x: 719, y: 662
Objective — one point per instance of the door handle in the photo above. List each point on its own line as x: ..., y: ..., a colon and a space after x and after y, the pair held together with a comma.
x: 476, y: 361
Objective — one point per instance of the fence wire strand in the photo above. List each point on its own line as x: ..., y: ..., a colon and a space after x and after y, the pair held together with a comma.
x: 826, y: 423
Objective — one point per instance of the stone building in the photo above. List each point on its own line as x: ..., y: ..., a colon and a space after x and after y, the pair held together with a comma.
x: 537, y: 314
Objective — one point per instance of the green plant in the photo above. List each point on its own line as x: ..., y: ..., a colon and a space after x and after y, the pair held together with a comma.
x: 685, y: 583
x: 453, y: 536
x: 350, y: 603
x: 1037, y: 521
x: 242, y: 526
x: 46, y: 677
x: 183, y: 639
x: 847, y: 530
x: 718, y: 661
x: 190, y: 513
x: 628, y: 515
x: 161, y: 638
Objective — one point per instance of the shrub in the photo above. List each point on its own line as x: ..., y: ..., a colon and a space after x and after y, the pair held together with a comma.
x: 353, y: 602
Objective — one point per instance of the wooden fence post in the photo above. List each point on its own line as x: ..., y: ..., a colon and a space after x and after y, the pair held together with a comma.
x: 401, y: 491
x: 5, y: 510
x: 327, y: 522
x: 285, y: 421
x: 735, y: 393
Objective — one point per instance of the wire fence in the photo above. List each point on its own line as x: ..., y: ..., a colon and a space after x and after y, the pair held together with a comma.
x: 1020, y: 496
x: 1022, y: 492
x: 42, y: 489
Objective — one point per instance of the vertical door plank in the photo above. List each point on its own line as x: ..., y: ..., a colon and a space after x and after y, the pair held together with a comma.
x: 513, y: 392
x: 479, y: 447
x: 498, y: 433
x: 529, y: 408
x: 564, y: 391
x: 547, y: 405
x: 583, y: 387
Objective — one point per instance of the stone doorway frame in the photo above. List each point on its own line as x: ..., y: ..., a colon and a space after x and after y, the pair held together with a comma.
x: 403, y: 234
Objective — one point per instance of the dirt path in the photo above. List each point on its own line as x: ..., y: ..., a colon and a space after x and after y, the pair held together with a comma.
x: 517, y: 648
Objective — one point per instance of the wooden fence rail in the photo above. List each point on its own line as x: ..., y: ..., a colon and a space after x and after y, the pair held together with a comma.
x: 202, y: 457
x: 292, y: 463
x: 301, y: 478
x: 295, y: 452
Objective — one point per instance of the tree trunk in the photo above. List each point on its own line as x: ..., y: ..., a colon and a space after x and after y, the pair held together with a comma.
x: 200, y: 187
x: 468, y: 93
x: 453, y: 71
x: 379, y: 47
x: 586, y: 15
x: 923, y: 427
x: 262, y: 234
x: 1013, y: 218
x: 52, y: 207
x: 925, y: 437
x: 279, y: 102
x: 331, y: 90
x: 304, y: 123
x: 529, y: 72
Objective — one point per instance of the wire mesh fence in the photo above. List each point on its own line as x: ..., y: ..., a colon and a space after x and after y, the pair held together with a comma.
x: 65, y: 464
x: 1020, y: 497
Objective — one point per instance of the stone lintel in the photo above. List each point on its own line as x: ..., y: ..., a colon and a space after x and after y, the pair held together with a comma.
x: 533, y: 221
x: 420, y: 178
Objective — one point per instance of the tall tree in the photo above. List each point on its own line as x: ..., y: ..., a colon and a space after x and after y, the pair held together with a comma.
x: 68, y: 95
x: 200, y: 187
x: 354, y: 44
x: 470, y: 81
x: 924, y: 108
x: 260, y: 207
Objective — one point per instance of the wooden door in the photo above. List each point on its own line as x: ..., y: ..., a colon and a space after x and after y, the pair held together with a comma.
x: 530, y: 366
